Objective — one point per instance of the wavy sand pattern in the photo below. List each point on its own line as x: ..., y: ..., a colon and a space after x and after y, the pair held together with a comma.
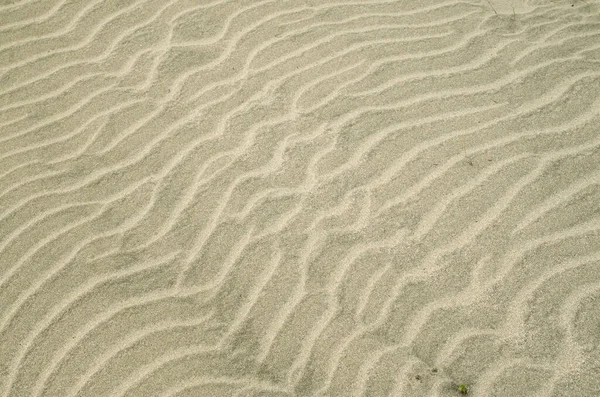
x: 299, y: 198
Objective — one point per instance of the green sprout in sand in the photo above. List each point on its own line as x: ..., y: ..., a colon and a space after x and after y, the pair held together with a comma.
x: 462, y: 389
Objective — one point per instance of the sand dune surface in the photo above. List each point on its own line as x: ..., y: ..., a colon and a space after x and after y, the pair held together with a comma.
x: 284, y: 198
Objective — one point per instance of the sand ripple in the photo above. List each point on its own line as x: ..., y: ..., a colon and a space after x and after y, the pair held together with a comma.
x: 299, y: 198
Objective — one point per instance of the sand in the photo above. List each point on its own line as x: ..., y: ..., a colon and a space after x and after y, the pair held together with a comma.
x: 299, y: 198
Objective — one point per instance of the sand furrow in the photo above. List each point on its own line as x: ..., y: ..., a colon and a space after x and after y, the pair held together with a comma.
x: 28, y: 345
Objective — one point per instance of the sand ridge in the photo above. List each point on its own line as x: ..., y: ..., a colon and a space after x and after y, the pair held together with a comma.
x: 299, y: 198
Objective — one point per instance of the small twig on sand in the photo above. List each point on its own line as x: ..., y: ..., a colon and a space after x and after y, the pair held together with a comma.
x: 590, y: 5
x: 495, y: 12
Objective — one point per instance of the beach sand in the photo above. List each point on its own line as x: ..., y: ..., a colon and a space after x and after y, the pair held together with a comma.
x: 299, y: 198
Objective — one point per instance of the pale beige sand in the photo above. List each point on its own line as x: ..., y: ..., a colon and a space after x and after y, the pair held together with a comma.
x: 299, y: 198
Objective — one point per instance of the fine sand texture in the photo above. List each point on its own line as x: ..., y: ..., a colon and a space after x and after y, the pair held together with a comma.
x: 280, y: 198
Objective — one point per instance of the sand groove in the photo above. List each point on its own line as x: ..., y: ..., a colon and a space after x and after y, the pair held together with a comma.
x: 299, y: 198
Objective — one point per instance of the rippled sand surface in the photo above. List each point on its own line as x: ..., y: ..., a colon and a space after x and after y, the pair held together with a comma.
x: 299, y: 198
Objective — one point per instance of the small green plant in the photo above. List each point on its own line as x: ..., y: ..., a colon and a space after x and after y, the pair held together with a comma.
x: 463, y: 389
